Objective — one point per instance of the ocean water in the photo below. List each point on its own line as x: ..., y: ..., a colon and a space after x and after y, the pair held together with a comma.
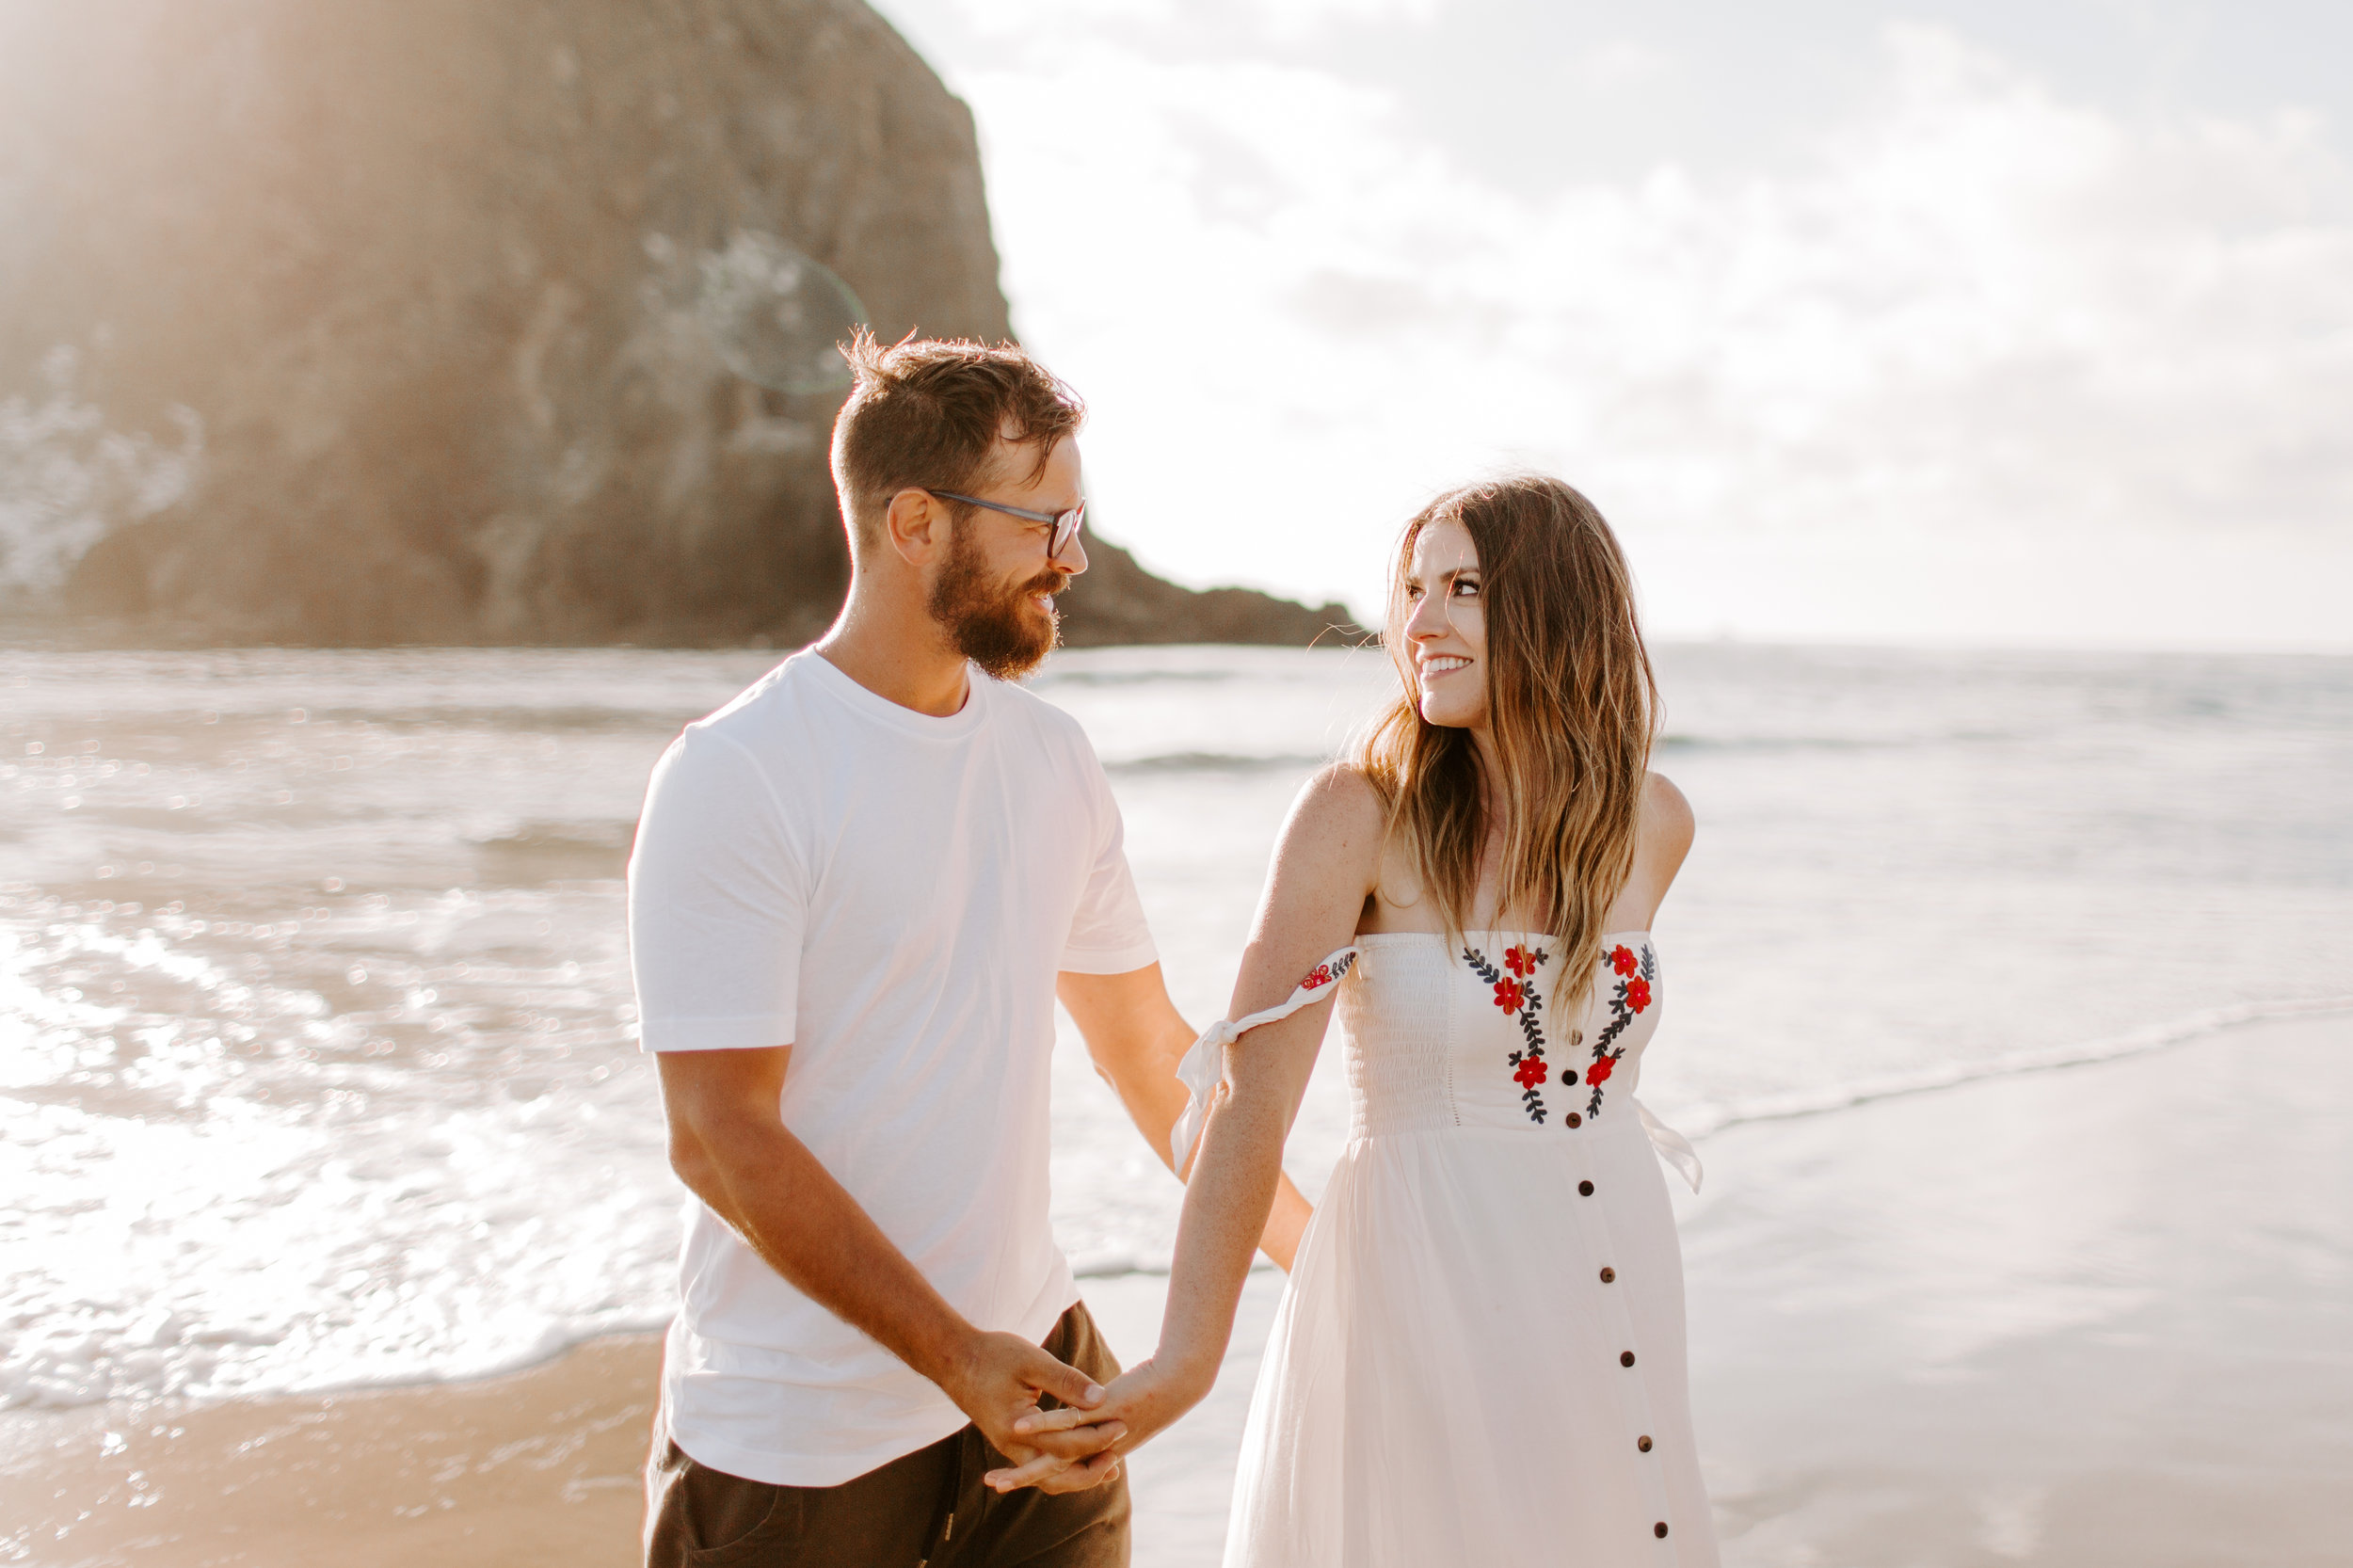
x: 317, y: 1064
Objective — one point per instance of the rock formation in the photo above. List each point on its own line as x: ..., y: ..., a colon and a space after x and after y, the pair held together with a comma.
x: 380, y: 322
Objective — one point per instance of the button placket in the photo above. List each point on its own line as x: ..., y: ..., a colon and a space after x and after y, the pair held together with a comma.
x: 1594, y: 1226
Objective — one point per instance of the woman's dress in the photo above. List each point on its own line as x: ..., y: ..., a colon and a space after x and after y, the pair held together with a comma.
x: 1479, y: 1357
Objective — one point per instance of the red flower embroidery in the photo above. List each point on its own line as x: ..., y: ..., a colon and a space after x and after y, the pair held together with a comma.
x: 1509, y: 995
x: 1638, y: 994
x: 1530, y: 1071
x: 1519, y: 961
x: 1622, y: 960
x: 1319, y: 975
x: 1600, y: 1069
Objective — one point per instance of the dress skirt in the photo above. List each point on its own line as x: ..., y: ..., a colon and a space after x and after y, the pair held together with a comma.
x: 1478, y: 1360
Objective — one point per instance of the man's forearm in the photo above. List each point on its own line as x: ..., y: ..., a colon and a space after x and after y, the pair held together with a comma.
x: 780, y: 1198
x: 1286, y: 1223
x: 1154, y: 1099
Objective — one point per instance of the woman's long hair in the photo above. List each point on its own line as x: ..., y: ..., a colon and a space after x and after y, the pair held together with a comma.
x: 1572, y: 703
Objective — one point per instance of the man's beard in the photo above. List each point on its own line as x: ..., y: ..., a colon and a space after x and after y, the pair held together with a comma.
x: 994, y: 627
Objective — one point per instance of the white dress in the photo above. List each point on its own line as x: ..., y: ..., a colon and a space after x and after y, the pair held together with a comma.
x: 1479, y: 1357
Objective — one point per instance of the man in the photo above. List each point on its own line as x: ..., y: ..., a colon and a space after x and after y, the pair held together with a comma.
x: 856, y: 892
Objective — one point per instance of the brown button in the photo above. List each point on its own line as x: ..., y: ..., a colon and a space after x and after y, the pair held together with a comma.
x: 1608, y: 1275
x: 1642, y: 1443
x: 1626, y: 1358
x: 1576, y: 1120
x: 1584, y: 1189
x: 1659, y: 1530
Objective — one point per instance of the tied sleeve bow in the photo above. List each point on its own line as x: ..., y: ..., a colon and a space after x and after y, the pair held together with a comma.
x: 1673, y: 1146
x: 1203, y: 1070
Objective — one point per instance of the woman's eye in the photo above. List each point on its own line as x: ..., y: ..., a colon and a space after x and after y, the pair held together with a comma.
x: 1465, y: 589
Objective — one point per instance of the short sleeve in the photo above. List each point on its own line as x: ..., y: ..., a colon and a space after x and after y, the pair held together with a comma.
x: 1107, y: 933
x: 717, y: 903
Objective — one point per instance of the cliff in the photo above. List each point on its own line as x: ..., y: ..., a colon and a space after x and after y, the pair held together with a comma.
x: 359, y: 323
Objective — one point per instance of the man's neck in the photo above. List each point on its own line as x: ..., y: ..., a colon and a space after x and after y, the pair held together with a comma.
x: 899, y: 658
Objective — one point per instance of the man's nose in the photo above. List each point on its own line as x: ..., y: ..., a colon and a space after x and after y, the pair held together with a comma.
x: 1073, y: 559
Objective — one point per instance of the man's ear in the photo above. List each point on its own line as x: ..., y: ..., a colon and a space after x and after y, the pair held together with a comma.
x: 916, y: 525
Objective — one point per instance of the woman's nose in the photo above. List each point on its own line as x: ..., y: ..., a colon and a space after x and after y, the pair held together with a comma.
x: 1429, y: 618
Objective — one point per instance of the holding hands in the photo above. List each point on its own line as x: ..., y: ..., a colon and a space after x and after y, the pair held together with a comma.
x: 998, y: 1380
x: 1139, y: 1405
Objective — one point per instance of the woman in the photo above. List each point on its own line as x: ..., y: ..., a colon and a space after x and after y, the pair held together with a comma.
x: 1479, y: 1357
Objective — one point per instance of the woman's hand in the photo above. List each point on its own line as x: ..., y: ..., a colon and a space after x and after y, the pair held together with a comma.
x: 1145, y: 1400
x: 998, y: 1380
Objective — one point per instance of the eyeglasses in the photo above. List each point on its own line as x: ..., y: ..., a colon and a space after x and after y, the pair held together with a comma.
x: 1064, y: 524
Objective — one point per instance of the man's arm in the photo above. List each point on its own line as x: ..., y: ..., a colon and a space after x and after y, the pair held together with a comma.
x: 1136, y: 1037
x: 730, y: 1146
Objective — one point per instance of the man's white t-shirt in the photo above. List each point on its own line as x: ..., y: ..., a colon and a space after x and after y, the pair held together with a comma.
x: 891, y: 895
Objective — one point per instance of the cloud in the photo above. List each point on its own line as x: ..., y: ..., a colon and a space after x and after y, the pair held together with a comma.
x: 1973, y: 316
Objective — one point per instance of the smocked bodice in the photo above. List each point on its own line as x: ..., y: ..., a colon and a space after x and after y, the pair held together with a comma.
x: 1464, y: 1032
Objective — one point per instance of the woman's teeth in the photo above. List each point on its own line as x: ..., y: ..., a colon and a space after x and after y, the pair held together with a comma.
x: 1443, y: 666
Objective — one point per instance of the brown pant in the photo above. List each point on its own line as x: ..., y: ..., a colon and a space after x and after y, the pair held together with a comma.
x: 924, y: 1508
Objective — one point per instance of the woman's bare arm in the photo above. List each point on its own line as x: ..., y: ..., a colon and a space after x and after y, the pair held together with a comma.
x: 1323, y: 869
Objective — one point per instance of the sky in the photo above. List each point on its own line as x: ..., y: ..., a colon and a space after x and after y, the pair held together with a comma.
x: 1981, y: 324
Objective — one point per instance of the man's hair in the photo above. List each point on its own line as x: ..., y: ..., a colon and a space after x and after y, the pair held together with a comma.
x: 924, y: 413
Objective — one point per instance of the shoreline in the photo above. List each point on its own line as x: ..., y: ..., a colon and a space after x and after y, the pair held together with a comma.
x: 1709, y: 1119
x: 2099, y: 1313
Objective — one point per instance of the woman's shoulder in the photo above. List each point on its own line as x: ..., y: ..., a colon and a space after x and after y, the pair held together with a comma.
x: 1666, y: 824
x: 1340, y: 794
x: 1327, y: 856
x: 1341, y: 814
x: 1664, y: 804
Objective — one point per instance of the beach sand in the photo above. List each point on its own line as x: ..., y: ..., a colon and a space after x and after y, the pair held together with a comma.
x: 2101, y: 1315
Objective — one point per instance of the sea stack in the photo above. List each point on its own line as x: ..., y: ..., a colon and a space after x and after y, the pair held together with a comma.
x: 370, y: 324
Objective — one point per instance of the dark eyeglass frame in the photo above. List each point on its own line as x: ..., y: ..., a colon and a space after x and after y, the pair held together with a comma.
x: 1063, y: 525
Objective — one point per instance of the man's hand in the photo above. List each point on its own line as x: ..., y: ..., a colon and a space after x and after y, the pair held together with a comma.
x: 998, y: 1381
x: 729, y: 1144
x: 1140, y: 1404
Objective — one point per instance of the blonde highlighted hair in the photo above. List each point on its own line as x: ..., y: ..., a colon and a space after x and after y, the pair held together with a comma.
x: 1572, y: 705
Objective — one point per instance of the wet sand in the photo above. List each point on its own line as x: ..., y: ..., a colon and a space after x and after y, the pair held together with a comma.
x: 537, y: 1468
x: 2096, y: 1316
